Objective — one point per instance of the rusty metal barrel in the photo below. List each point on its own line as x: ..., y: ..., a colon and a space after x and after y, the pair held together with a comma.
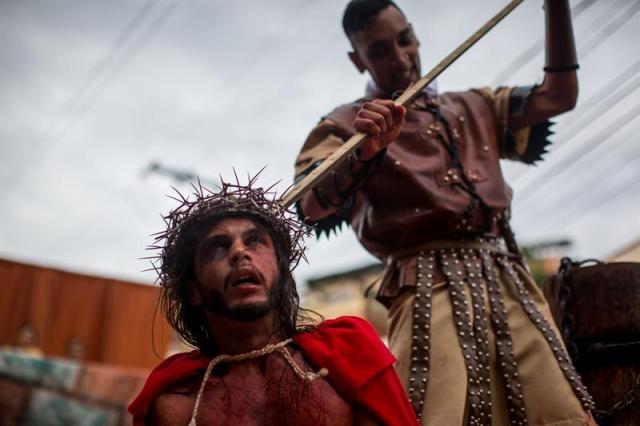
x: 597, y: 308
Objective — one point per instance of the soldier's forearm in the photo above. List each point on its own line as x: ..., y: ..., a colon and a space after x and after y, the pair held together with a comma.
x: 332, y: 191
x: 560, y: 44
x: 559, y: 91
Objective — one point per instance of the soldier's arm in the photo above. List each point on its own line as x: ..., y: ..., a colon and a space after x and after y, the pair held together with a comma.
x: 380, y: 119
x: 559, y: 90
x: 322, y: 202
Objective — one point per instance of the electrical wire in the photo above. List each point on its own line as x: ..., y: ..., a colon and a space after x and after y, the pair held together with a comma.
x: 98, y: 71
x: 623, y: 17
x: 605, y: 99
x: 529, y: 53
x: 565, y: 165
x: 608, y: 199
x: 603, y: 189
x: 593, y: 179
x: 124, y: 48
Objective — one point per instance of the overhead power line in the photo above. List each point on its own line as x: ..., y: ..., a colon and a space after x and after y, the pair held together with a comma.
x: 127, y: 54
x: 98, y: 71
x: 606, y: 98
x: 595, y: 37
x: 623, y: 17
x: 122, y: 50
x: 609, y: 198
x: 614, y: 161
x: 612, y: 93
x: 563, y: 167
x: 561, y: 225
x: 531, y: 52
x: 101, y: 68
x: 605, y: 198
x: 536, y: 180
x: 599, y: 191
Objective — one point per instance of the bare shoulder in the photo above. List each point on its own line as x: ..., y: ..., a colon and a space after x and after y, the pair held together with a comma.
x: 174, y: 405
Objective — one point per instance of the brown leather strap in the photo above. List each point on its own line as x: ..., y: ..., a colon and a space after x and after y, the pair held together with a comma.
x: 421, y: 331
x: 541, y: 323
x: 454, y: 271
x: 470, y: 269
x: 504, y: 345
x: 473, y: 272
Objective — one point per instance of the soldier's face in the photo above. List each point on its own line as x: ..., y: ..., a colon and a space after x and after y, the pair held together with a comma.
x: 388, y: 50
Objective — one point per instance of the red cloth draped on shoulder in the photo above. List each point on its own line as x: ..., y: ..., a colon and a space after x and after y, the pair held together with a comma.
x: 360, y: 369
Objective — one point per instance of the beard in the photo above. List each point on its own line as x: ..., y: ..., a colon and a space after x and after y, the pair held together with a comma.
x: 215, y: 303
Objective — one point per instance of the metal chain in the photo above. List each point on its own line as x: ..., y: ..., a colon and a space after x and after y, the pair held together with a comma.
x: 567, y: 323
x: 629, y: 397
x: 565, y: 295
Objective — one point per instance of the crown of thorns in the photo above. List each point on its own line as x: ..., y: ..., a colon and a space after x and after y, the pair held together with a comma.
x: 233, y: 199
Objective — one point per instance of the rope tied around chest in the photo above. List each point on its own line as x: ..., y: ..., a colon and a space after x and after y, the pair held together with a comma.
x: 279, y: 347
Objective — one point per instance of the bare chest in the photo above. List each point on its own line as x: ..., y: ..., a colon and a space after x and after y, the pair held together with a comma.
x: 278, y: 397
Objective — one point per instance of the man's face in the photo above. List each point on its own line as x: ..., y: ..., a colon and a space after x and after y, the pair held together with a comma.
x: 388, y: 49
x: 236, y: 270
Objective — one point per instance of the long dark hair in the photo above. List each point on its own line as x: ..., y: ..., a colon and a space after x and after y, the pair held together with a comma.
x: 189, y: 321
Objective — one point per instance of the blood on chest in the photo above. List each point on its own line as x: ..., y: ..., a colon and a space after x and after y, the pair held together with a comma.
x: 271, y: 394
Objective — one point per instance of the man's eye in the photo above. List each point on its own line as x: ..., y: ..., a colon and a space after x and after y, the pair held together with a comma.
x: 253, y: 241
x: 216, y: 252
x: 407, y: 37
x: 219, y: 252
x: 405, y: 40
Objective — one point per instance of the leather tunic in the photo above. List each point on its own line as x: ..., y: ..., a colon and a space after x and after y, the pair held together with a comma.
x: 439, y: 180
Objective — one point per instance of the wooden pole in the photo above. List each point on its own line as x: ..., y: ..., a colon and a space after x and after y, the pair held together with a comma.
x: 340, y: 154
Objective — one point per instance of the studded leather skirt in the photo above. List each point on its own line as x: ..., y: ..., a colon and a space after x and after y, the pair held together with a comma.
x: 476, y: 344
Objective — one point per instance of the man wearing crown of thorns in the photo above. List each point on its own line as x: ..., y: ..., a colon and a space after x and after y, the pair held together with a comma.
x: 227, y: 288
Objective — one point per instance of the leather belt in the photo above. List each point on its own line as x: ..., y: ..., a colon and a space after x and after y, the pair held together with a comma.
x: 491, y: 244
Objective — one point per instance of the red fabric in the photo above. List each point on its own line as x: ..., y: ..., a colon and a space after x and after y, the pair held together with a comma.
x: 166, y: 374
x: 360, y: 369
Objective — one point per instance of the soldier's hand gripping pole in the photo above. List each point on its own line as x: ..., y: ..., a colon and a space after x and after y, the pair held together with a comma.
x: 340, y: 154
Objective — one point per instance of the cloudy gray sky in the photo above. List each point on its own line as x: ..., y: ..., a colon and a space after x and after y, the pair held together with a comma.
x: 94, y: 92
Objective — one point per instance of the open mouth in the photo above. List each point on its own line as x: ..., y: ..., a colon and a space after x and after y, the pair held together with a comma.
x: 245, y: 278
